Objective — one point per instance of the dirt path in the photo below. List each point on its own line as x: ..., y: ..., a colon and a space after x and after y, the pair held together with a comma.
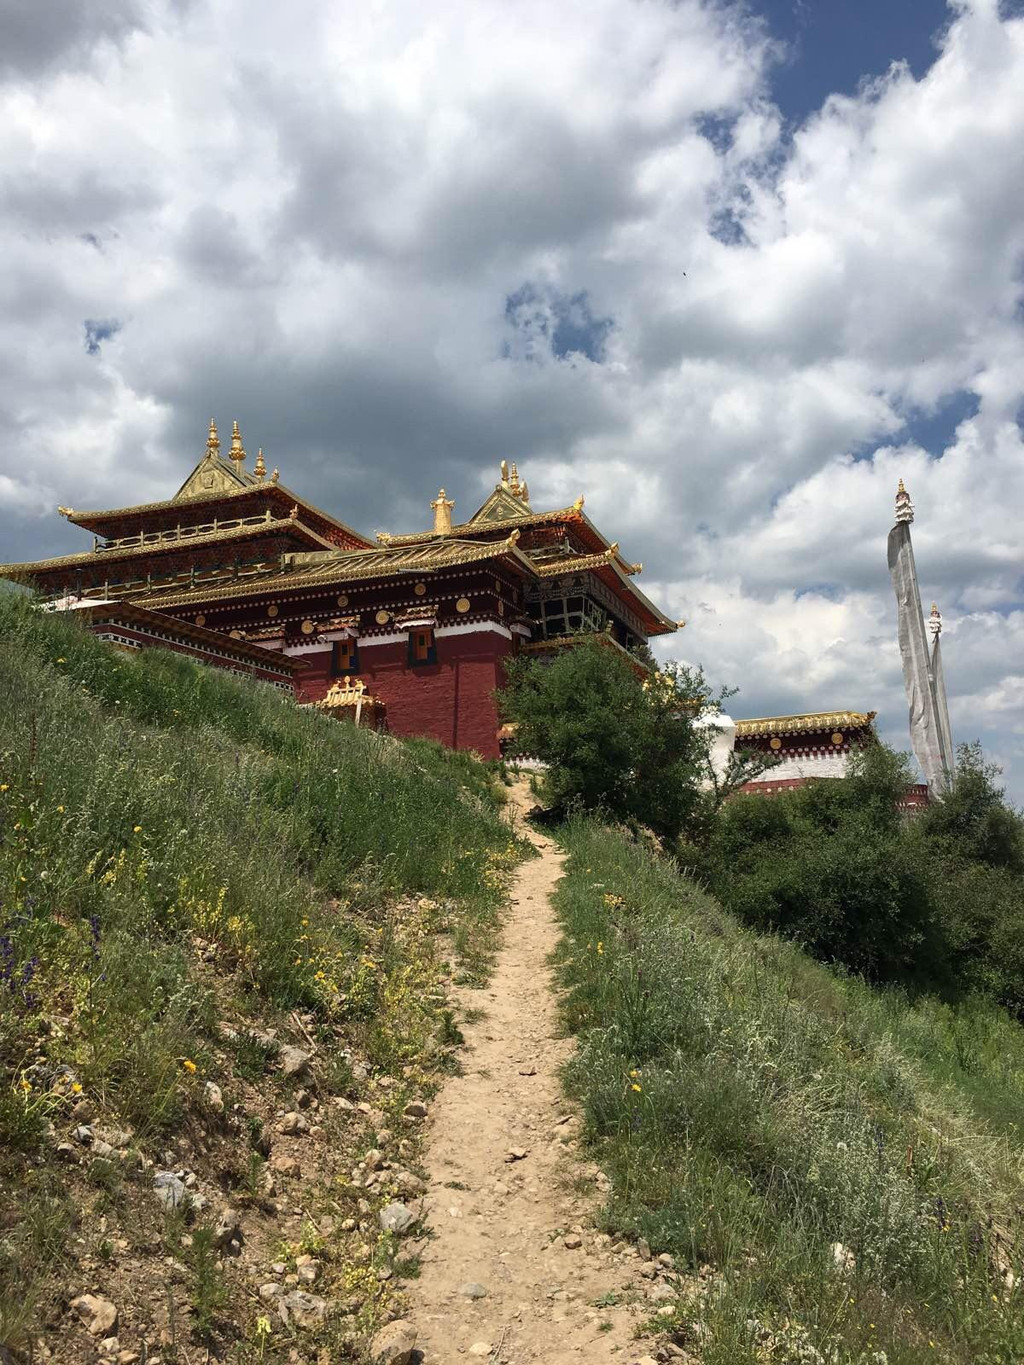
x: 514, y: 1226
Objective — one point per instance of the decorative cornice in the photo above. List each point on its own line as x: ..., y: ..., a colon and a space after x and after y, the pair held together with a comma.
x: 798, y: 725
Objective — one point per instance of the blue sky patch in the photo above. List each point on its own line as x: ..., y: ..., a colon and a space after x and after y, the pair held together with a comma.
x: 545, y: 320
x: 98, y: 330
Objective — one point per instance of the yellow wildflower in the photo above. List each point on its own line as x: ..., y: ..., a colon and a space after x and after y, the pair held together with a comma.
x: 76, y: 1087
x: 5, y: 786
x: 634, y: 1074
x: 189, y: 1065
x: 62, y: 661
x: 137, y: 829
x: 635, y: 1087
x: 600, y: 947
x: 60, y: 810
x: 26, y: 1084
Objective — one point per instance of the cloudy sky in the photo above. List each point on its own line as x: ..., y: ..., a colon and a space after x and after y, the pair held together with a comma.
x: 729, y: 270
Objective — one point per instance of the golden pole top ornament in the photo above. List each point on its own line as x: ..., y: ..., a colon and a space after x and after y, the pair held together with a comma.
x: 259, y: 468
x: 237, y: 451
x: 904, y: 507
x: 213, y: 440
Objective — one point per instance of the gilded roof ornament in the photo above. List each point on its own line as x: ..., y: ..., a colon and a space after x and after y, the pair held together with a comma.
x: 275, y: 474
x: 578, y: 504
x: 935, y: 622
x: 259, y: 468
x: 442, y: 509
x: 213, y: 440
x: 513, y: 538
x: 504, y: 474
x: 66, y: 511
x: 904, y: 507
x: 237, y: 451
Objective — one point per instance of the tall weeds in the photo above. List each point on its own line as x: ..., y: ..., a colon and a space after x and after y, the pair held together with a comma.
x: 839, y: 1168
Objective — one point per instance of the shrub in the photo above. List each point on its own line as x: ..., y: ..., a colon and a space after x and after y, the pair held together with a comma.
x: 615, y: 736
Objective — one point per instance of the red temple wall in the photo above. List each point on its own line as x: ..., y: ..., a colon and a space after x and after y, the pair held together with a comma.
x: 449, y: 701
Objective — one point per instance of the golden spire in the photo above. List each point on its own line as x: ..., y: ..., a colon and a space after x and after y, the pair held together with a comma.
x: 513, y: 482
x: 578, y: 504
x: 259, y: 468
x: 237, y: 451
x: 275, y: 474
x: 213, y: 440
x: 504, y: 473
x: 442, y: 510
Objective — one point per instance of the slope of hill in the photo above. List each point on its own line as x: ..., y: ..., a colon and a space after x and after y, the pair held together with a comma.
x: 225, y: 931
x: 837, y: 1170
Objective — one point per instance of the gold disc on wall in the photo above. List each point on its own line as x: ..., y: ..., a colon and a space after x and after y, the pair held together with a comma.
x: 200, y: 620
x: 235, y: 634
x: 462, y: 605
x: 272, y: 609
x: 342, y: 599
x: 307, y: 627
x: 837, y: 738
x: 382, y: 618
x: 420, y: 589
x: 776, y: 743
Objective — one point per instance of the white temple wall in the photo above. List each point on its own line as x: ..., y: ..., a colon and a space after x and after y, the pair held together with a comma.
x: 821, y: 763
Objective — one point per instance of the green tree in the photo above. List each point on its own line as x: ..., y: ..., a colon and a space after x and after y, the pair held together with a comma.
x: 616, y: 737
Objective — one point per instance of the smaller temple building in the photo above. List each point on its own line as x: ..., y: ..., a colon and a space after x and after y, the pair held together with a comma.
x: 818, y: 744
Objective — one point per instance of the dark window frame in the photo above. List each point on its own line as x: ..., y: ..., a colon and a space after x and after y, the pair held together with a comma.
x: 339, y: 670
x: 422, y: 647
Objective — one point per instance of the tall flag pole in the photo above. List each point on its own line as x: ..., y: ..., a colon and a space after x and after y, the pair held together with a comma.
x: 939, y: 691
x: 926, y: 692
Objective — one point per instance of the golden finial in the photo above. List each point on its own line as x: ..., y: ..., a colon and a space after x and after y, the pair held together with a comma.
x: 442, y: 510
x: 524, y: 492
x: 578, y: 504
x: 613, y: 548
x: 66, y: 511
x: 237, y: 451
x: 294, y: 513
x: 213, y: 440
x: 259, y: 468
x: 901, y: 489
x: 513, y: 537
x: 513, y: 482
x: 275, y: 474
x: 504, y: 472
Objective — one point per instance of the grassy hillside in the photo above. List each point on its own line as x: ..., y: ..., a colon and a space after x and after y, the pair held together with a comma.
x: 841, y: 1169
x: 195, y: 874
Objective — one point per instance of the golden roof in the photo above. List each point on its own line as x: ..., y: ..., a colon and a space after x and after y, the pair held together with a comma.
x: 129, y: 547
x: 344, y: 566
x: 521, y: 521
x: 799, y: 725
x: 266, y: 487
x: 553, y: 568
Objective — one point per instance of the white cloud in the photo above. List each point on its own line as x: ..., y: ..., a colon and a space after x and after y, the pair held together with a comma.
x: 310, y: 216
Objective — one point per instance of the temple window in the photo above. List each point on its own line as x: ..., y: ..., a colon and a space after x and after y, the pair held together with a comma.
x: 559, y: 616
x: 422, y: 646
x: 344, y: 657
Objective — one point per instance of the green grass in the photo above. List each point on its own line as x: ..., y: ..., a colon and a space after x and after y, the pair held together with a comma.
x: 753, y: 1109
x: 175, y: 843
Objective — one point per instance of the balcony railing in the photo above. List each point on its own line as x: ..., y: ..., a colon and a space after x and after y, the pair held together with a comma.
x: 179, y: 533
